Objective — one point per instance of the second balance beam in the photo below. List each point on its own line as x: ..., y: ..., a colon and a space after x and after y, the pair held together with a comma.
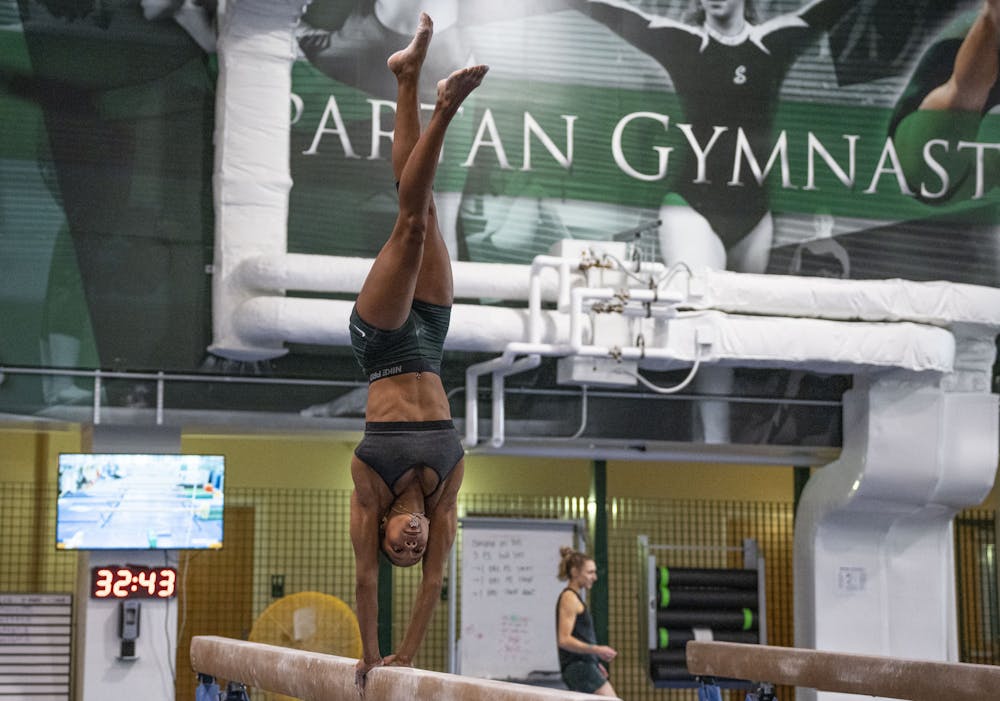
x: 870, y: 675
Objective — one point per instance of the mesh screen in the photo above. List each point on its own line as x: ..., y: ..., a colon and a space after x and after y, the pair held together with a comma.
x: 976, y: 580
x: 283, y: 541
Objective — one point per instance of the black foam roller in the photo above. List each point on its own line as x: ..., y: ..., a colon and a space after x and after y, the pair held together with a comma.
x: 678, y: 638
x: 672, y: 597
x: 678, y: 674
x: 743, y: 619
x: 673, y: 656
x: 670, y: 672
x: 707, y: 577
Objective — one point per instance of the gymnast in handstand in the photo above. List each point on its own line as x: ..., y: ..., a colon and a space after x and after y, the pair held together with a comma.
x: 408, y: 467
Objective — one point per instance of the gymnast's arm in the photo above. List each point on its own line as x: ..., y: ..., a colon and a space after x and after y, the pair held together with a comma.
x: 823, y: 14
x: 655, y: 35
x: 365, y: 539
x: 615, y: 13
x: 443, y: 526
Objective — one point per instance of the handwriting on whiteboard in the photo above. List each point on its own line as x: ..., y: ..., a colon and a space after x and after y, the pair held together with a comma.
x: 498, y: 568
x: 508, y: 591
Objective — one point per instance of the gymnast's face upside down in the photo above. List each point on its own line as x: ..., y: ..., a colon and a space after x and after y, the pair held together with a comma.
x: 404, y: 538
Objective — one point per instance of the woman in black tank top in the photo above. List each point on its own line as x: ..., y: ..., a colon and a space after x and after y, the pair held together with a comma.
x: 580, y: 657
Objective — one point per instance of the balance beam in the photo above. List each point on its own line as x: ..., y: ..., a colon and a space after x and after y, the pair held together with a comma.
x: 314, y: 676
x: 869, y: 675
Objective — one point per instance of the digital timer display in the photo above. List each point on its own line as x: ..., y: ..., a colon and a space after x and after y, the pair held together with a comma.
x: 129, y: 581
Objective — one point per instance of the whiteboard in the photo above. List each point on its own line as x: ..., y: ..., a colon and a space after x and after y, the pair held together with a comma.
x: 508, y: 592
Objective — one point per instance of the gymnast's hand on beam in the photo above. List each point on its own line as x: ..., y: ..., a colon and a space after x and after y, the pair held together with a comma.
x: 397, y: 660
x: 361, y: 670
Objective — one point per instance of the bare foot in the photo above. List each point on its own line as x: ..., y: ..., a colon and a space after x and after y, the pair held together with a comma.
x: 991, y: 8
x: 453, y: 90
x: 407, y: 62
x: 991, y: 11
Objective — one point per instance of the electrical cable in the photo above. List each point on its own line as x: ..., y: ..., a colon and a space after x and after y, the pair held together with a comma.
x: 666, y: 390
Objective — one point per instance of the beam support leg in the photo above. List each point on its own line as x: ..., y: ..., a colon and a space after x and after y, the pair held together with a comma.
x: 874, y: 553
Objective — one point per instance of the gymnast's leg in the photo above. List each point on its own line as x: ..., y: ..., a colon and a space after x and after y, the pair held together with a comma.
x: 752, y: 253
x: 687, y: 237
x: 434, y: 280
x: 415, y: 243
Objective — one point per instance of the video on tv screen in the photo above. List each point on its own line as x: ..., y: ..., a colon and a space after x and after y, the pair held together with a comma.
x: 112, y: 501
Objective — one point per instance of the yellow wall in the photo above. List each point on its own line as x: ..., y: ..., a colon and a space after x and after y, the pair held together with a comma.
x: 312, y: 460
x: 701, y: 481
x: 270, y: 461
x: 265, y: 461
x: 992, y: 500
x: 495, y: 474
x: 27, y: 454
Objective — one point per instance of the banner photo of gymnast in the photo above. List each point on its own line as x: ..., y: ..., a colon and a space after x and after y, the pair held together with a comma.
x: 835, y: 138
x: 817, y: 139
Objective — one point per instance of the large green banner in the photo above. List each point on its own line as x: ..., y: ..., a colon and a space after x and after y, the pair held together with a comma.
x: 804, y: 143
x: 844, y: 138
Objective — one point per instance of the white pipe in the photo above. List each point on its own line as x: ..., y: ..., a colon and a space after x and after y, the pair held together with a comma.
x: 564, y: 286
x: 575, y: 314
x: 579, y: 294
x: 472, y: 374
x: 263, y: 322
x: 342, y: 274
x: 502, y: 366
x: 258, y: 318
x: 654, y: 311
x: 824, y: 346
x: 256, y: 49
x: 505, y: 365
x: 937, y: 302
x: 523, y: 365
x: 688, y: 346
x: 538, y: 265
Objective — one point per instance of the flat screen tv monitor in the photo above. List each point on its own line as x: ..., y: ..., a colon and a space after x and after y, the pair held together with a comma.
x: 139, y: 501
